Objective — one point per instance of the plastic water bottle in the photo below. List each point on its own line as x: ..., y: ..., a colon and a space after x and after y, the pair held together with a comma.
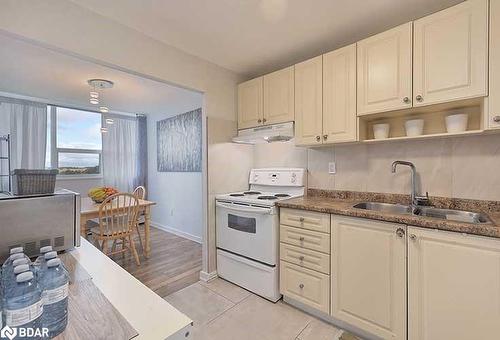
x: 54, y: 284
x: 10, y: 281
x: 8, y: 266
x: 23, y: 306
x: 41, y: 259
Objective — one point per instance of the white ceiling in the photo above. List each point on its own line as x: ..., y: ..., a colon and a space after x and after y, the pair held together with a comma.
x: 33, y: 71
x: 252, y: 37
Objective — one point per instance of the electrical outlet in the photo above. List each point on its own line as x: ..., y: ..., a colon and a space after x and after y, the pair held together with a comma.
x: 332, y: 168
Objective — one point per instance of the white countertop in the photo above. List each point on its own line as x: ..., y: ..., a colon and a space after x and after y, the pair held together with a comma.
x: 150, y: 315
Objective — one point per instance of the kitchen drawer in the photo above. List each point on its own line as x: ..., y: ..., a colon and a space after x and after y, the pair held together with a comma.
x: 305, y: 238
x: 305, y: 258
x: 305, y: 285
x: 305, y: 219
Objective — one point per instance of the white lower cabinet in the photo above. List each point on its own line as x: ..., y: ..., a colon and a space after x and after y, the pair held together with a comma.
x: 369, y: 275
x: 453, y: 286
x: 304, y: 285
x: 395, y: 281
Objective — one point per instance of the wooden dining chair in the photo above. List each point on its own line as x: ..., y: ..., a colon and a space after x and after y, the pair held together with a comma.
x: 140, y: 193
x: 117, y: 220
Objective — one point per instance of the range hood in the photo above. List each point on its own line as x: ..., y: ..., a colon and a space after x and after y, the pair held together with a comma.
x: 266, y: 134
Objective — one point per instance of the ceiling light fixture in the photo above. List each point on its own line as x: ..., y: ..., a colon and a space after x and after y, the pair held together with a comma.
x: 110, y: 121
x: 96, y: 85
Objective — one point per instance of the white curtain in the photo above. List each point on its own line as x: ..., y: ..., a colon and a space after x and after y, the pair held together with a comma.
x: 28, y: 130
x: 120, y: 153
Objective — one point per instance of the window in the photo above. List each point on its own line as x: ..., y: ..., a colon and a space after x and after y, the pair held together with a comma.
x: 74, y: 142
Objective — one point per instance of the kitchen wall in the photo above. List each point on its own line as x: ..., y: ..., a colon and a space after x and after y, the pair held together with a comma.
x: 178, y: 194
x: 464, y: 167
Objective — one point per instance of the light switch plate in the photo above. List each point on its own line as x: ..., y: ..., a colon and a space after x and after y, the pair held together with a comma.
x: 332, y: 168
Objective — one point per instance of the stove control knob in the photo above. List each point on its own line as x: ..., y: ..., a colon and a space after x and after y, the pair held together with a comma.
x: 293, y: 180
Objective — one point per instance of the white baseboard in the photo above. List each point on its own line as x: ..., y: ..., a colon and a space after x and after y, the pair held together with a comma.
x: 207, y: 277
x: 177, y: 232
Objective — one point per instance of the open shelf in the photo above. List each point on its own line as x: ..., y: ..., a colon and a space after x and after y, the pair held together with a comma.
x: 434, y: 122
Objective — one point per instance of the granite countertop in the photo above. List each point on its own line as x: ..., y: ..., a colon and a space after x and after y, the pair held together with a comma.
x: 341, y: 203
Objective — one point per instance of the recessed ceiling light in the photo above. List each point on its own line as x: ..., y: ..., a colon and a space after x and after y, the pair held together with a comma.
x: 94, y: 101
x: 110, y: 121
x: 103, y: 109
x: 94, y: 94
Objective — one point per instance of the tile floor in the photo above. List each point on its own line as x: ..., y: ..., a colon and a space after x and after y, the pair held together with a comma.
x: 223, y: 311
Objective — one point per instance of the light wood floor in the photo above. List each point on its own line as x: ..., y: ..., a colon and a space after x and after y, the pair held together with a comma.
x: 175, y: 263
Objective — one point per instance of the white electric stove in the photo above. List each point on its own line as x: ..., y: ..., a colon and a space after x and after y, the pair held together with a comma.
x: 248, y: 229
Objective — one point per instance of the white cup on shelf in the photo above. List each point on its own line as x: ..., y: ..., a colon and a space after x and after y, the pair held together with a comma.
x: 381, y: 131
x: 457, y: 122
x: 414, y: 127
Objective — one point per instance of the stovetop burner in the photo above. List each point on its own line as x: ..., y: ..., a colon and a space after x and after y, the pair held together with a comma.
x: 236, y: 195
x: 282, y: 195
x: 252, y: 192
x: 267, y: 197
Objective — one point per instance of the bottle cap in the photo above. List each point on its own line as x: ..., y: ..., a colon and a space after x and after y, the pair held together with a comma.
x: 16, y: 250
x: 20, y: 261
x: 17, y: 256
x: 21, y: 268
x: 45, y: 249
x: 50, y: 255
x: 23, y: 277
x: 53, y: 263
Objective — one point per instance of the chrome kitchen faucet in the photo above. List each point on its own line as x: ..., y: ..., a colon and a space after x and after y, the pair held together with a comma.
x: 416, y: 200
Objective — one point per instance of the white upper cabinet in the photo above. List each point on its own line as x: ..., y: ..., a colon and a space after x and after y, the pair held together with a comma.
x: 494, y: 66
x: 453, y: 286
x: 451, y: 54
x: 250, y: 107
x: 339, y: 95
x: 279, y: 104
x: 369, y: 275
x: 309, y: 101
x: 385, y: 71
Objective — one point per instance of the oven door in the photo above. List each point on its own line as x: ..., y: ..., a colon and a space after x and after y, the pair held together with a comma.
x: 248, y: 231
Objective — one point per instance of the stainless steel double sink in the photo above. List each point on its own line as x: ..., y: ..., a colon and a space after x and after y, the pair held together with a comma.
x: 443, y: 214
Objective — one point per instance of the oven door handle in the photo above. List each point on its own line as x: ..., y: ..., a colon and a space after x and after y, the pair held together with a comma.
x: 242, y: 208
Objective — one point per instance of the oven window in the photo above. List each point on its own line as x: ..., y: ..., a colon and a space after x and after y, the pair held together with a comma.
x: 245, y: 224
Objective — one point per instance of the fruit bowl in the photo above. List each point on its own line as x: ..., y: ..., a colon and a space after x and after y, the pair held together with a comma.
x: 99, y: 194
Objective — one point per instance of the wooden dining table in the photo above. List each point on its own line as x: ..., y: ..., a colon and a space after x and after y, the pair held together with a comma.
x: 90, y: 210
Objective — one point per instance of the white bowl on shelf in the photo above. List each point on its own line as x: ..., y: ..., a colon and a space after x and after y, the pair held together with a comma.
x: 381, y: 131
x: 414, y: 127
x: 457, y: 123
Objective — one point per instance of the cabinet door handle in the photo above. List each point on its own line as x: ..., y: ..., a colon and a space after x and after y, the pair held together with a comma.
x: 259, y: 120
x: 318, y: 138
x: 325, y: 137
x: 419, y: 98
x: 400, y: 232
x: 412, y: 237
x: 301, y: 286
x: 301, y: 239
x: 496, y: 119
x: 301, y: 258
x: 301, y: 219
x: 406, y: 100
x: 264, y: 120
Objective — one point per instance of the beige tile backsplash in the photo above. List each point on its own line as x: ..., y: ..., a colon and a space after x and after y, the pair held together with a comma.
x: 465, y: 167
